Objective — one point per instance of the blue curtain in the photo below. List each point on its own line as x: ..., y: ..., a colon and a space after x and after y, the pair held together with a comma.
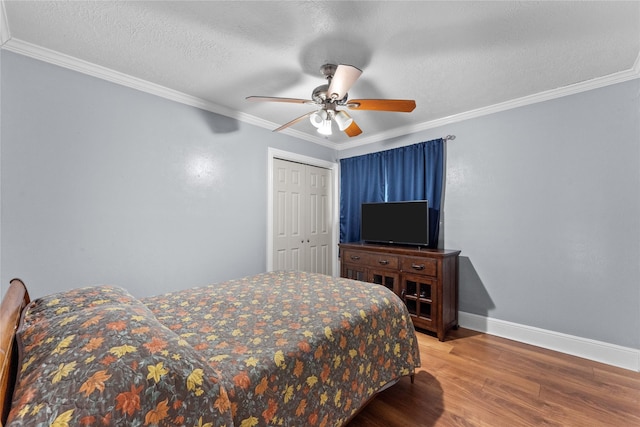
x: 414, y: 172
x: 361, y: 180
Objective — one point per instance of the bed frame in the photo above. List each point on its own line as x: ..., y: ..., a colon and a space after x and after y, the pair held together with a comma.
x: 14, y: 301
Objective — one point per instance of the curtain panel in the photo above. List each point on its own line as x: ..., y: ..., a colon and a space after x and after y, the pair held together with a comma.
x: 361, y: 180
x: 414, y: 172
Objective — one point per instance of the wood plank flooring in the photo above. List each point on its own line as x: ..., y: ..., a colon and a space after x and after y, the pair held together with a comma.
x: 475, y: 379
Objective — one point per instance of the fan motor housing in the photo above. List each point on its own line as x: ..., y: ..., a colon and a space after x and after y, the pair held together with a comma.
x: 320, y: 95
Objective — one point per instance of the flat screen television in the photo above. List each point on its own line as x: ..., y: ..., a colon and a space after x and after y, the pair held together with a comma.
x: 405, y: 223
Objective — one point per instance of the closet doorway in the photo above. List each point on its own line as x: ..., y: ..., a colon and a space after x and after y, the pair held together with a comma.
x: 303, y: 218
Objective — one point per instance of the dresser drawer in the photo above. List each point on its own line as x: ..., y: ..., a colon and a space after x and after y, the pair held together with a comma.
x: 420, y: 265
x: 370, y: 259
x: 382, y: 260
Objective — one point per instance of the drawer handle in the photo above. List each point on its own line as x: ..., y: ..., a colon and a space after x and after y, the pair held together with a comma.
x: 383, y: 262
x: 355, y: 257
x: 417, y: 266
x: 403, y: 293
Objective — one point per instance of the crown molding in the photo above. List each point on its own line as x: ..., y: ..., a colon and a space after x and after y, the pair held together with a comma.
x: 623, y: 76
x: 66, y: 61
x: 5, y: 35
x: 75, y: 64
x: 85, y: 67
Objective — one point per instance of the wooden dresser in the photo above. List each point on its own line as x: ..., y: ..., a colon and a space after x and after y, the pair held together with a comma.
x: 425, y: 279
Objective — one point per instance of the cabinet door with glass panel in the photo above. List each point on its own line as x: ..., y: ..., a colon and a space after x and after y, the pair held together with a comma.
x: 388, y: 279
x: 420, y: 295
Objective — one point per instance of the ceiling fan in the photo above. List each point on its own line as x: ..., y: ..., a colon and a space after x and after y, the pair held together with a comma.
x: 340, y: 78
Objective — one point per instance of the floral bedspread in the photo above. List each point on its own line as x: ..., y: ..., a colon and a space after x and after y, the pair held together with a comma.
x: 294, y: 348
x: 282, y: 348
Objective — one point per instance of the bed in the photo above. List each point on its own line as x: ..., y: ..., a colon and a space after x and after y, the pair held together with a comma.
x: 279, y: 348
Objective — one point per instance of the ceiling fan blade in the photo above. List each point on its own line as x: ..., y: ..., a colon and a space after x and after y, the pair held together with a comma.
x: 344, y: 77
x: 353, y: 129
x: 294, y: 121
x: 396, y: 105
x: 276, y: 99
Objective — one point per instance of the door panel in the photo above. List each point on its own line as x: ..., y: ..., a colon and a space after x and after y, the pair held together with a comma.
x: 319, y: 235
x: 288, y: 218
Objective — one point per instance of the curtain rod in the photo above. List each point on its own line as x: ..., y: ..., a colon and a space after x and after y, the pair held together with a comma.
x: 449, y: 137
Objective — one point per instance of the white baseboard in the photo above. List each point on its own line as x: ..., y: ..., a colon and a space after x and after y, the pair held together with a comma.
x: 611, y: 354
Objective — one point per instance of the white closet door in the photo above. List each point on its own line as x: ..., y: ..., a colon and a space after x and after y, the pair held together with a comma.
x: 318, y: 242
x: 288, y: 215
x: 301, y: 217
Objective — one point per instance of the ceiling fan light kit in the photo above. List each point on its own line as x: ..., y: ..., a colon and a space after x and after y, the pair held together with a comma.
x: 343, y: 119
x: 340, y: 78
x: 321, y: 120
x: 318, y: 117
x: 325, y: 128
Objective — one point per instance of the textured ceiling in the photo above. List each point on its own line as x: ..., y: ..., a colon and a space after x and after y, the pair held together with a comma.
x: 453, y: 58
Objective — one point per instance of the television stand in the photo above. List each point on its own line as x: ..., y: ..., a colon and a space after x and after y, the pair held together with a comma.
x: 425, y: 279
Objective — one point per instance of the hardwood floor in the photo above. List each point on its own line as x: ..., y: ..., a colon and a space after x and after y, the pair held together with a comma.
x: 474, y: 379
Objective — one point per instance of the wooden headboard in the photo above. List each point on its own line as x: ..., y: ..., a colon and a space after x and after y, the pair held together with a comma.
x: 14, y: 301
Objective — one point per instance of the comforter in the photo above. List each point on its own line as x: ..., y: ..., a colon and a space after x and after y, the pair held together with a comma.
x: 280, y: 348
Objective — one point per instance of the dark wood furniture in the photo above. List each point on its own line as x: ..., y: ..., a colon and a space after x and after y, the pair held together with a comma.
x: 14, y: 301
x: 425, y: 279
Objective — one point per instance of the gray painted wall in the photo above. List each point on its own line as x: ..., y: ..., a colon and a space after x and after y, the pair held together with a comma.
x: 544, y: 202
x: 102, y: 184
x: 106, y: 184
